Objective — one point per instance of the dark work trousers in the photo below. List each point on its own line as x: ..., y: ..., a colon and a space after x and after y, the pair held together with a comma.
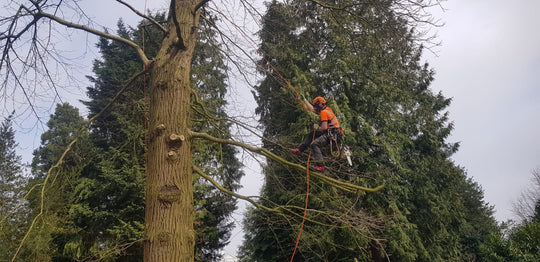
x: 320, y: 139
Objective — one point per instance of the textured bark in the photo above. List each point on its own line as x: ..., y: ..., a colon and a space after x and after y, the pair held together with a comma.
x: 169, y: 193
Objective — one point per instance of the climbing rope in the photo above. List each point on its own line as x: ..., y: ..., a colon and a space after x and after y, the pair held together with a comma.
x: 145, y: 93
x: 298, y: 95
x: 306, y: 205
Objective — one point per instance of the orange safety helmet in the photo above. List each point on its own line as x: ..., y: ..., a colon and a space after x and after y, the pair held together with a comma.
x: 319, y: 100
x: 319, y: 103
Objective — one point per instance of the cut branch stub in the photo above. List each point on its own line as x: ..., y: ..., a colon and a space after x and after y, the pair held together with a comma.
x: 175, y: 141
x: 164, y: 237
x: 172, y: 155
x: 169, y: 194
x: 159, y: 129
x: 156, y: 132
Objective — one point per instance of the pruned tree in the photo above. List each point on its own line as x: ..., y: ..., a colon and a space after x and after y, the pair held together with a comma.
x: 169, y: 198
x: 28, y: 42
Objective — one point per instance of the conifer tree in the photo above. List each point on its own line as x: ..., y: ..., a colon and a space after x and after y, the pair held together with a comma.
x: 115, y: 193
x: 12, y: 208
x: 57, y: 203
x: 366, y: 58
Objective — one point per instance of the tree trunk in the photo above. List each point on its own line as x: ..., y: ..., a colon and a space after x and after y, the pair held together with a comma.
x: 169, y: 190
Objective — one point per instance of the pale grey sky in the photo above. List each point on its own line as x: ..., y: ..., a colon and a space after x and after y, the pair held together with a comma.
x: 489, y: 63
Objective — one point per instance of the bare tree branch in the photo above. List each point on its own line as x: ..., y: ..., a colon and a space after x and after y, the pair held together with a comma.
x: 139, y: 50
x: 347, y: 220
x: 229, y: 192
x: 525, y: 206
x: 265, y: 152
x: 225, y: 39
x: 156, y: 23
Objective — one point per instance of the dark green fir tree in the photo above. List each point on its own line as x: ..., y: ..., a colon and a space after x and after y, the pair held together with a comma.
x: 12, y: 206
x: 365, y: 59
x: 52, y: 188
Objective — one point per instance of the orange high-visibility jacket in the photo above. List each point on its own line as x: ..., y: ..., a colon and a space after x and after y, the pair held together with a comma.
x: 328, y: 115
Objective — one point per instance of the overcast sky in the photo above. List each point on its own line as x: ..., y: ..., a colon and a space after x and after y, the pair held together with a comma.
x: 489, y: 63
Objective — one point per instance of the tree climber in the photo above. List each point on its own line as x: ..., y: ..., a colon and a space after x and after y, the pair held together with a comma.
x: 328, y: 131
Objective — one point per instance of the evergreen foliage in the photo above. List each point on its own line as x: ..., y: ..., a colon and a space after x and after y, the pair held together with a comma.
x: 95, y: 208
x: 114, y: 188
x: 12, y: 206
x: 525, y: 242
x: 56, y: 203
x: 520, y: 242
x: 365, y: 59
x: 213, y: 207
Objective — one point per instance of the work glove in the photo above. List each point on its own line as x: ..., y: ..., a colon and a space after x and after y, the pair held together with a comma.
x: 315, y: 126
x: 302, y: 96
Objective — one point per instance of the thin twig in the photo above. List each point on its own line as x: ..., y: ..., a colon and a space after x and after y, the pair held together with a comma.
x: 156, y: 23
